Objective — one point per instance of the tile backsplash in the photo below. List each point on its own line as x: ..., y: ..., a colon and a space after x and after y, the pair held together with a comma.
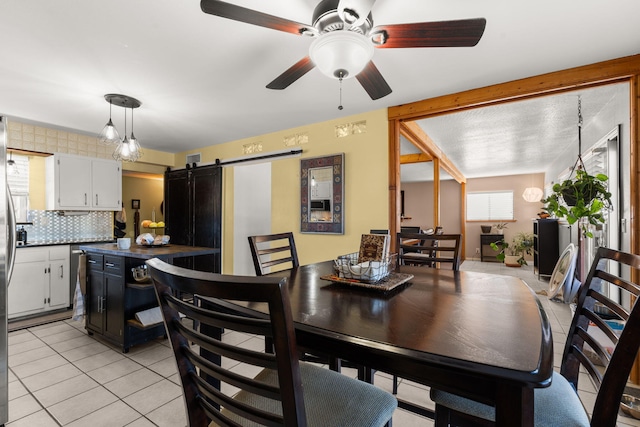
x: 51, y: 227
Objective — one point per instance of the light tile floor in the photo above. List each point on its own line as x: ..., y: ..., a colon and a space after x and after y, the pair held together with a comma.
x: 60, y: 376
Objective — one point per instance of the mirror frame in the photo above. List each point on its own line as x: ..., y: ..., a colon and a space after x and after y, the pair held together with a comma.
x: 336, y: 161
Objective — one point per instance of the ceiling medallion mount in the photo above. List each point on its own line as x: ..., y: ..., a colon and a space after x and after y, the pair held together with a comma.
x: 122, y: 100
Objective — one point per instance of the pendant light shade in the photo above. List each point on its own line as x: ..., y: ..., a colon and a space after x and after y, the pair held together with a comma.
x: 128, y: 150
x: 109, y: 134
x: 341, y: 54
x: 532, y: 194
x: 12, y: 168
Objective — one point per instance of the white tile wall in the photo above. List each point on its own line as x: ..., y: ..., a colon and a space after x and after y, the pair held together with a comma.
x: 23, y: 136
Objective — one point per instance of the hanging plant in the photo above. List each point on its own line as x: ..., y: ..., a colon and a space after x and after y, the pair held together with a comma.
x: 585, y: 196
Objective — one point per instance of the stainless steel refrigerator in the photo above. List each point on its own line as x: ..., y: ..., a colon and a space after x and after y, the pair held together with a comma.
x: 7, y: 252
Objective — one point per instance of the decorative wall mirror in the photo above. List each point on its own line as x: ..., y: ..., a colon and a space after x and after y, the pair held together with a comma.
x: 321, y: 194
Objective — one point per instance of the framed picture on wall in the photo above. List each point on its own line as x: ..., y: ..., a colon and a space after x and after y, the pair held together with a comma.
x: 135, y: 203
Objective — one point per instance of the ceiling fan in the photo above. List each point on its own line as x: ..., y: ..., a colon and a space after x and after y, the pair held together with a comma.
x: 344, y: 38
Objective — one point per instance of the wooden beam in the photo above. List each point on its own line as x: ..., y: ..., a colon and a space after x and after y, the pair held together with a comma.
x: 415, y: 158
x: 606, y: 72
x: 436, y: 192
x: 394, y: 181
x: 420, y: 139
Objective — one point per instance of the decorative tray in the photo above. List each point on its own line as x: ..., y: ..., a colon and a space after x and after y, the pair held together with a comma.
x: 392, y: 281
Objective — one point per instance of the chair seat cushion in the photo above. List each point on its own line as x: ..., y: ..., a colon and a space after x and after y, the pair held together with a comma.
x: 556, y: 405
x: 330, y: 399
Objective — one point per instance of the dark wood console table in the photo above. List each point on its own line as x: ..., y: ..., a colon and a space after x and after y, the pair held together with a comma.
x: 485, y: 241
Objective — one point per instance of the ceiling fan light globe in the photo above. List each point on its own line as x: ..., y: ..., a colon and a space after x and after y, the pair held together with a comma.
x: 341, y: 50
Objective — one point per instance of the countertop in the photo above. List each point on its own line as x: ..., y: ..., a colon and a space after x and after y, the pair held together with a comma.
x: 74, y: 242
x: 145, y: 252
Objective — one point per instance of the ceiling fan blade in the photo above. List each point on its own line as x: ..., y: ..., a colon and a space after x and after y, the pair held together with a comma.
x: 459, y: 33
x: 296, y: 71
x: 249, y: 16
x: 373, y: 82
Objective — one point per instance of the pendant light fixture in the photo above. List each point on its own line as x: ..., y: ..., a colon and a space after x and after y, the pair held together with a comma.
x: 109, y: 134
x: 532, y: 194
x: 128, y: 148
x: 12, y: 167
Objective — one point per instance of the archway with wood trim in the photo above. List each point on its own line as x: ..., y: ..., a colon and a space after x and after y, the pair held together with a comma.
x: 621, y: 70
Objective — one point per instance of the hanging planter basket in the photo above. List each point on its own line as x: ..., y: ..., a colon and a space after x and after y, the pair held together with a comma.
x: 573, y: 193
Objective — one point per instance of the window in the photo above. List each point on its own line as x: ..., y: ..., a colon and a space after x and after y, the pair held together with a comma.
x: 18, y: 181
x: 490, y: 205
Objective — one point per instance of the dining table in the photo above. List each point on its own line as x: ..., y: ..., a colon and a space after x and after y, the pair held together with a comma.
x: 483, y: 336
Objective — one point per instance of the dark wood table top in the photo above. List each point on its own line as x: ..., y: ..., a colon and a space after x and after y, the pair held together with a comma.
x: 481, y: 335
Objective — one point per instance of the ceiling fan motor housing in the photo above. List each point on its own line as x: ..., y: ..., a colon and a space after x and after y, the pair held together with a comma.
x: 326, y: 19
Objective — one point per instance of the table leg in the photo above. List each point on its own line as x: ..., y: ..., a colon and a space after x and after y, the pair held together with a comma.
x: 514, y: 406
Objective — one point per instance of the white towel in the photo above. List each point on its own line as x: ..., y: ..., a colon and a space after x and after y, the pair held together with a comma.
x: 121, y: 216
x: 78, y: 303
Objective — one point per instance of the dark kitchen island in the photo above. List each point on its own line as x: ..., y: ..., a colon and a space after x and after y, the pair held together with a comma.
x: 113, y: 296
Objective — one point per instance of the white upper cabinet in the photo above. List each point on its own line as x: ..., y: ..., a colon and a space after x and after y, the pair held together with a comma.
x: 106, y: 184
x: 83, y: 183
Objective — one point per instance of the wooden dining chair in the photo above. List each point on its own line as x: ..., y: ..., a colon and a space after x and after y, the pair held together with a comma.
x: 271, y: 250
x: 284, y: 392
x: 595, y: 346
x: 428, y: 249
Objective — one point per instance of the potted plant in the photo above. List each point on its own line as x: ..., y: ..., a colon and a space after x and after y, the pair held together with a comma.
x: 513, y: 254
x: 500, y: 227
x: 585, y: 196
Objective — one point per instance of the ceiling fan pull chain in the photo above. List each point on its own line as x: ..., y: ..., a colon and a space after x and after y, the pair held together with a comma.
x: 340, y: 106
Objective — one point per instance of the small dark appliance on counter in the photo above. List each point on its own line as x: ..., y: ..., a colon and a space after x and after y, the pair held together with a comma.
x: 21, y: 236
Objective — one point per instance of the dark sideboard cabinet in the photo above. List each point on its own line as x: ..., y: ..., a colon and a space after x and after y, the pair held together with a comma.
x: 545, y: 246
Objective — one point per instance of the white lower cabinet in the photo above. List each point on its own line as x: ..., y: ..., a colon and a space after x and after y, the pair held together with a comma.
x: 40, y: 280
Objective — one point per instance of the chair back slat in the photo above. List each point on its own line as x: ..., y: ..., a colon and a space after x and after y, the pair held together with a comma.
x: 272, y: 250
x: 429, y: 249
x: 205, y: 379
x: 606, y: 352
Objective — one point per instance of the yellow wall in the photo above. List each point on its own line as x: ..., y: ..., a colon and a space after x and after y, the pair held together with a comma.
x: 150, y: 192
x: 366, y: 183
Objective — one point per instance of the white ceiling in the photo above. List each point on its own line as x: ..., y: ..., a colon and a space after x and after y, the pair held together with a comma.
x: 201, y: 78
x: 521, y: 137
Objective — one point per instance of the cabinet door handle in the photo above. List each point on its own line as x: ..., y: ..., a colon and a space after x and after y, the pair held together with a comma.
x: 61, y: 271
x: 96, y: 199
x: 91, y: 261
x: 85, y: 199
x: 109, y: 264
